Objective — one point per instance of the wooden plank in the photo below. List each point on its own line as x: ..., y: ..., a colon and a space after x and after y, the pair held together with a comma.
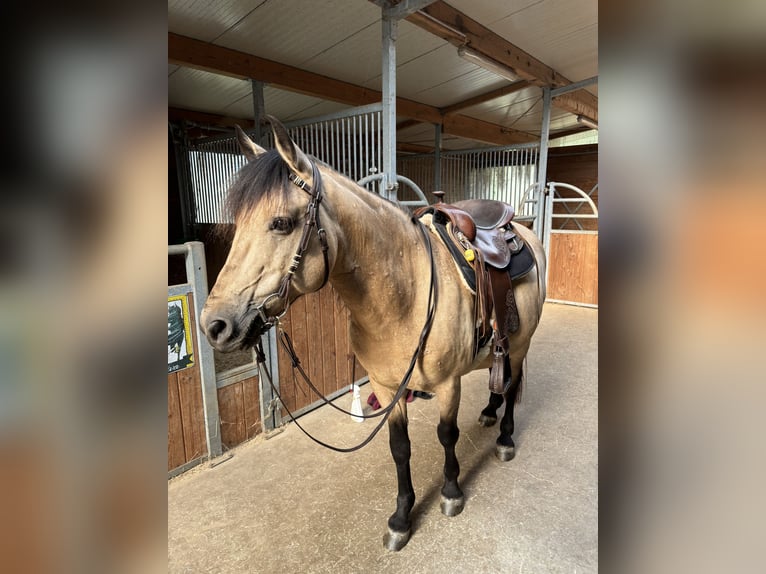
x: 252, y: 405
x: 300, y: 342
x: 176, y: 453
x: 231, y: 407
x: 192, y: 413
x: 329, y: 352
x: 573, y: 264
x: 286, y: 382
x: 314, y: 340
x: 342, y: 358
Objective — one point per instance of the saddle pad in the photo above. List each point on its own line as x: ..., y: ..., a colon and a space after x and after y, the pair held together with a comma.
x: 521, y: 262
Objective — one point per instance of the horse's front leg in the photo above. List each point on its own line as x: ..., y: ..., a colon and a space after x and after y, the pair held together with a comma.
x: 448, y: 395
x: 399, y: 524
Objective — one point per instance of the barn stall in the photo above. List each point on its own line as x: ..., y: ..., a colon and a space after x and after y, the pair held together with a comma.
x: 469, y: 97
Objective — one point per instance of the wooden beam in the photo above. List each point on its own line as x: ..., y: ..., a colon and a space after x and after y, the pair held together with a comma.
x: 193, y: 53
x: 413, y: 148
x: 457, y: 28
x: 486, y: 97
x: 479, y: 130
x: 580, y: 102
x: 407, y: 124
x: 569, y: 132
x: 179, y: 114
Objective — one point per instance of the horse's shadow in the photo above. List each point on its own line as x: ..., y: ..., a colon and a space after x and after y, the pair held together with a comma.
x: 472, y: 464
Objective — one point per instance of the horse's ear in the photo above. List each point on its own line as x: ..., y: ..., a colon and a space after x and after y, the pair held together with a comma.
x: 291, y: 153
x: 251, y: 149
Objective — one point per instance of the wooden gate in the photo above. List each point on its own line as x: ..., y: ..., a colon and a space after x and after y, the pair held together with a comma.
x: 571, y: 242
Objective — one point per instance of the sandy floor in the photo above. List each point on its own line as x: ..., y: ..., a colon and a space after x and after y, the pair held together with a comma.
x: 287, y: 505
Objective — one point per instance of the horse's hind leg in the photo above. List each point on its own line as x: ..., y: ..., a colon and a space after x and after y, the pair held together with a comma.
x: 399, y: 525
x: 505, y: 448
x: 452, y: 500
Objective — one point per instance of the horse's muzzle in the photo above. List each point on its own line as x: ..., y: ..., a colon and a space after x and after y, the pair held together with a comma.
x: 225, y: 335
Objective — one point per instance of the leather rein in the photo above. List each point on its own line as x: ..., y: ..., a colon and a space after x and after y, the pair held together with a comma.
x: 312, y: 221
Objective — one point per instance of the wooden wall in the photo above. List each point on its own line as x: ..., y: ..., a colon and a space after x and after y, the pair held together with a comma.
x: 573, y: 267
x: 578, y: 166
x: 186, y: 418
x: 240, y: 411
x: 318, y: 326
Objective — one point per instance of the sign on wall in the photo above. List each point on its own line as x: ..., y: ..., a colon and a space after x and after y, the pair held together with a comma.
x: 180, y: 349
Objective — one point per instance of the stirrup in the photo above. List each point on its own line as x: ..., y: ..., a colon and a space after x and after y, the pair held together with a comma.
x: 498, y: 382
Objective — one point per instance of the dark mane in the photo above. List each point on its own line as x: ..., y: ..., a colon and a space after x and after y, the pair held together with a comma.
x: 262, y: 177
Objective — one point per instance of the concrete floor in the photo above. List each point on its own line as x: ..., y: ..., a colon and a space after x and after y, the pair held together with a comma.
x: 288, y: 505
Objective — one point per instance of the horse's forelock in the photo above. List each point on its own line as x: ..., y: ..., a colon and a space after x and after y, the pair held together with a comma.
x: 263, y: 179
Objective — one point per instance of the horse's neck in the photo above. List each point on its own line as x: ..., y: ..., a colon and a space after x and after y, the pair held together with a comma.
x: 378, y: 253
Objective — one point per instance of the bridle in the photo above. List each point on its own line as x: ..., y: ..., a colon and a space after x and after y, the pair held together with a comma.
x: 311, y: 222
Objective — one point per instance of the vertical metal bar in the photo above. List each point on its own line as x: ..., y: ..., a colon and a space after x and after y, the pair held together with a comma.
x: 271, y: 415
x: 196, y: 273
x: 544, y: 136
x: 437, y: 156
x: 390, y: 28
x: 259, y: 109
x: 366, y: 171
x: 352, y: 150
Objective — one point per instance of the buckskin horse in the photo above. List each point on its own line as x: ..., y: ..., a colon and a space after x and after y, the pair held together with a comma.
x: 299, y: 225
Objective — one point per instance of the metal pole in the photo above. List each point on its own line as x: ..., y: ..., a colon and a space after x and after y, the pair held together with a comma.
x: 390, y: 27
x: 259, y: 109
x: 196, y: 274
x: 437, y: 156
x: 542, y: 172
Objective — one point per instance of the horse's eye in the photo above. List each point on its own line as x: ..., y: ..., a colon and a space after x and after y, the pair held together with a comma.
x: 281, y: 225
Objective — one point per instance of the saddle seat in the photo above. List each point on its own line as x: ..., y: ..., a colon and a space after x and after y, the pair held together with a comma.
x: 487, y: 213
x: 492, y: 220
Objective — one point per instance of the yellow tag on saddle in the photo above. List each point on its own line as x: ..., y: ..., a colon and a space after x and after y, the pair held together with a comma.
x: 469, y: 255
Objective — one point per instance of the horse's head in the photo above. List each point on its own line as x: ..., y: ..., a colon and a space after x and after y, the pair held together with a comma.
x: 275, y: 255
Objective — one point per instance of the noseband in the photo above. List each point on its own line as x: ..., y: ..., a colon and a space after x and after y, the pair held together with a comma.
x: 312, y: 222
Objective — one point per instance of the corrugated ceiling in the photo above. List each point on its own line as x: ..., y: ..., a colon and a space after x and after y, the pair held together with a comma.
x: 341, y: 39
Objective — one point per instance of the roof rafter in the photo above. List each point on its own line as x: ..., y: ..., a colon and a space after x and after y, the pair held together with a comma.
x: 486, y: 97
x: 197, y: 54
x: 444, y: 21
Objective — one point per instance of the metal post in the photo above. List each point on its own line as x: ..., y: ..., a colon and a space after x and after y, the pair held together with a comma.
x: 258, y: 109
x: 196, y: 274
x: 271, y: 414
x: 542, y: 172
x: 437, y: 157
x: 390, y: 27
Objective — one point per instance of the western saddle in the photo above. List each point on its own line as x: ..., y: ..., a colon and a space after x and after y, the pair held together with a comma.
x: 480, y: 237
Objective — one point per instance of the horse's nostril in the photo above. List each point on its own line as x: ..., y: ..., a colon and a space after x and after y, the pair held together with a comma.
x: 216, y: 328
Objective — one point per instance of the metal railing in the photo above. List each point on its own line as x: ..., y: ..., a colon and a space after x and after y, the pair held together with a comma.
x: 196, y: 284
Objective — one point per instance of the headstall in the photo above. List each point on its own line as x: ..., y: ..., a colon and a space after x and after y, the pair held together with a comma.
x: 311, y: 222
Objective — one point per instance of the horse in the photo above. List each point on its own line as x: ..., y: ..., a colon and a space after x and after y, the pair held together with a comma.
x: 385, y: 269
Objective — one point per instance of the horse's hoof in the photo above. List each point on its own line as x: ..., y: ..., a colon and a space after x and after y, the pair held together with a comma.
x: 452, y: 506
x: 505, y: 453
x: 486, y: 421
x: 395, y: 541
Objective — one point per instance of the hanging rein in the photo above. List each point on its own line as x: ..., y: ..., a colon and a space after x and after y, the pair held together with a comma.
x: 312, y: 222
